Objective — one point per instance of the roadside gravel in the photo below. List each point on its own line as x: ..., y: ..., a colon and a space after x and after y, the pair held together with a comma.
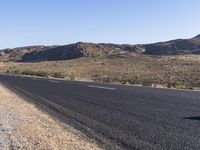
x: 23, y: 126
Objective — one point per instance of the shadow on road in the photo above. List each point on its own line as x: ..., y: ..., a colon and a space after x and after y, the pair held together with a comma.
x: 196, y: 118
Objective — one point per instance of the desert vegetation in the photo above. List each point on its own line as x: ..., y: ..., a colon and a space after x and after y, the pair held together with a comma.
x: 165, y: 71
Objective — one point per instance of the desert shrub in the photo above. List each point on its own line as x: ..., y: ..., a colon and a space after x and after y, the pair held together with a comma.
x: 16, y: 71
x: 101, y: 78
x: 146, y: 82
x: 170, y: 85
x: 35, y: 73
x: 72, y: 78
x: 106, y: 79
x: 7, y: 71
x: 41, y: 74
x: 12, y: 71
x: 132, y: 81
x: 58, y: 75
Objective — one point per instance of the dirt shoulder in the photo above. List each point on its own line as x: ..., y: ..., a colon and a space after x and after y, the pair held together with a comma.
x: 23, y: 126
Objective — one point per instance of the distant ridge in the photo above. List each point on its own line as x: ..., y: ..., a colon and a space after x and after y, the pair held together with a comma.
x: 198, y: 36
x: 81, y: 49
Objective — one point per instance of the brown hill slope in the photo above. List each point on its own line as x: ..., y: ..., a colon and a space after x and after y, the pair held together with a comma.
x: 198, y: 36
x: 77, y: 50
x: 175, y: 47
x: 16, y: 54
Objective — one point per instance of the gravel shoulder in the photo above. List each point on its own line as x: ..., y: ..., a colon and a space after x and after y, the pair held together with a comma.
x: 23, y: 126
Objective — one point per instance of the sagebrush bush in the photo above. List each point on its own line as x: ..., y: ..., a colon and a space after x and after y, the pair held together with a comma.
x: 35, y: 73
x: 58, y: 75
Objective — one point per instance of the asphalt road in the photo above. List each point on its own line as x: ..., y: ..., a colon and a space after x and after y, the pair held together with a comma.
x: 119, y: 117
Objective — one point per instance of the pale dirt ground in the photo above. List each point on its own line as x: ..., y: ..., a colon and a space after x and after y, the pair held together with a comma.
x: 23, y: 126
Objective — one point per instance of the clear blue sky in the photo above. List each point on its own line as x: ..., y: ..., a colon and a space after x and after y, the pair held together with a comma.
x: 47, y: 22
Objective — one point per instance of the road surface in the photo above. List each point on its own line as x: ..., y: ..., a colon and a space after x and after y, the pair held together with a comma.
x: 119, y: 117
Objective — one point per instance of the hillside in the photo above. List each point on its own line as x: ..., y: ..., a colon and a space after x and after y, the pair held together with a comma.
x: 175, y: 47
x: 78, y: 50
x: 17, y: 54
x: 198, y: 36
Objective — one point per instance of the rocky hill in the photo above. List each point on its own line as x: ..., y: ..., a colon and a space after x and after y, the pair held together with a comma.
x: 17, y: 54
x: 175, y: 47
x: 77, y: 50
x: 198, y: 36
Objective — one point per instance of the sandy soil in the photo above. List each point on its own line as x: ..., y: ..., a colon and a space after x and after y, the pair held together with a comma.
x: 23, y: 126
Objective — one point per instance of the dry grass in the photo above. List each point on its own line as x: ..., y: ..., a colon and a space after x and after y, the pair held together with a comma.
x: 167, y: 71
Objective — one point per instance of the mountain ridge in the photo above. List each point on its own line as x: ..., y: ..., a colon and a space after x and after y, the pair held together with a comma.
x: 83, y: 49
x: 198, y: 36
